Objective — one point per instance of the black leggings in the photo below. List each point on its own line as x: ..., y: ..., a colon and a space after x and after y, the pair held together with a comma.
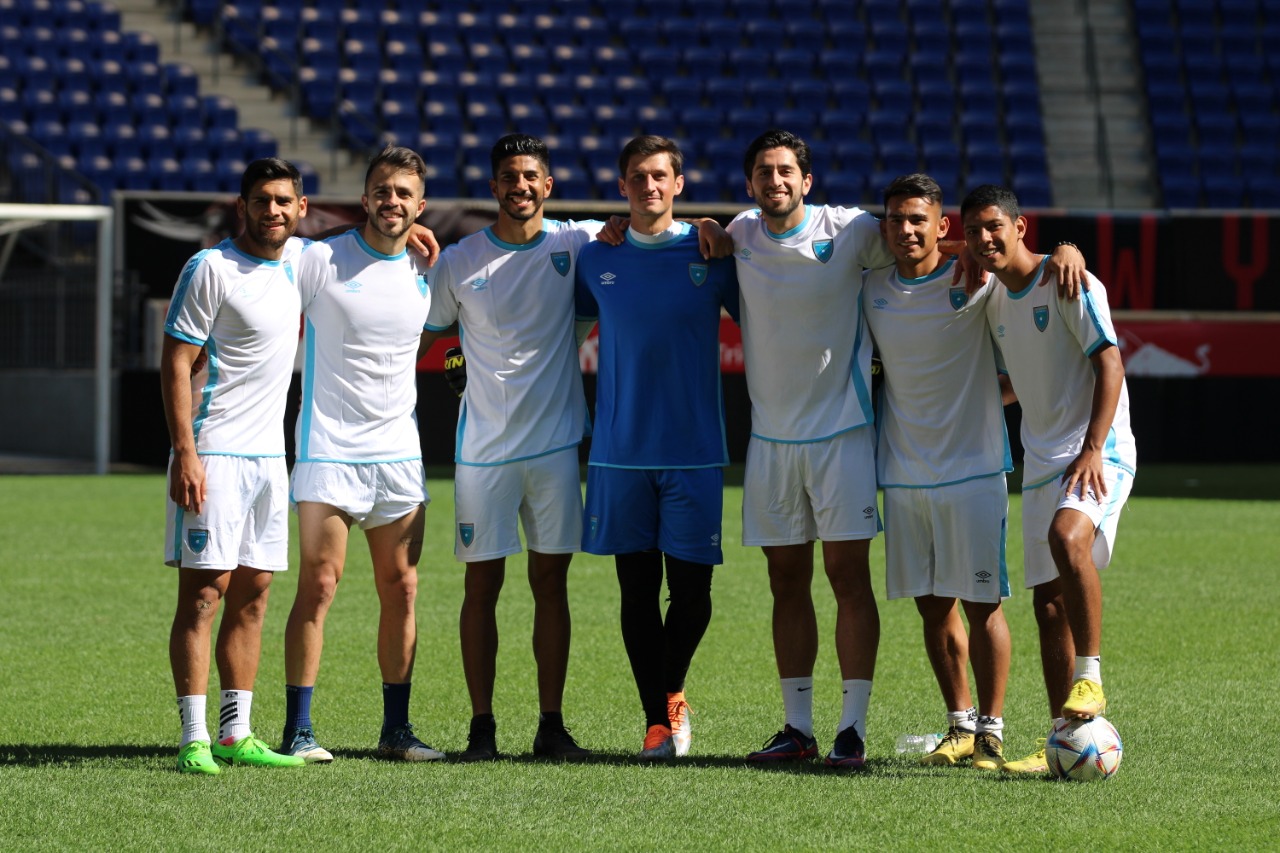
x: 660, y: 652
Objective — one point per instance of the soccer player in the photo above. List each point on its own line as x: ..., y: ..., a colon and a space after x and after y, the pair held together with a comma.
x: 358, y: 454
x: 656, y: 473
x: 941, y: 459
x: 1080, y: 455
x: 230, y: 338
x: 510, y: 289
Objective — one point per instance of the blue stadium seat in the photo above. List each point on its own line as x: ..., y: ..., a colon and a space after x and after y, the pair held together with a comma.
x: 1223, y: 192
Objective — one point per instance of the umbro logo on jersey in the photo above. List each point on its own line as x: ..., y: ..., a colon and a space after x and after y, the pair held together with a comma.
x: 353, y: 286
x: 467, y: 533
x: 822, y: 249
x: 999, y: 331
x: 868, y: 512
x: 560, y: 260
x: 983, y: 576
x: 698, y: 274
x: 479, y: 284
x: 746, y: 254
x: 958, y: 297
x: 881, y: 303
x: 1040, y: 314
x: 715, y: 539
x: 608, y: 278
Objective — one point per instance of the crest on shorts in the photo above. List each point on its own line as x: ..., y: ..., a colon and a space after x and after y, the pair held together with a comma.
x: 560, y: 260
x: 197, y: 540
x: 822, y: 249
x: 1040, y: 314
x: 467, y: 533
x: 698, y: 274
x: 422, y: 284
x: 958, y: 297
x: 595, y: 526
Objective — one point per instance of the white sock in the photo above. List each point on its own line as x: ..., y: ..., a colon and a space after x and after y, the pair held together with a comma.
x: 1090, y: 668
x: 963, y: 720
x: 191, y: 710
x: 797, y: 702
x: 853, y: 710
x: 233, y: 716
x: 995, y: 725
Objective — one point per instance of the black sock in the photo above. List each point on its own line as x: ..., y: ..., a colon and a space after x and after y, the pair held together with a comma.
x: 688, y: 614
x: 640, y: 584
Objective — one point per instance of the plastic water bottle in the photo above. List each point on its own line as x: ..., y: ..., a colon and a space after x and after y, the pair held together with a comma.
x: 918, y: 743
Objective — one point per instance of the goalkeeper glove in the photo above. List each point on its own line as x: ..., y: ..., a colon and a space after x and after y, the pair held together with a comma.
x: 455, y: 370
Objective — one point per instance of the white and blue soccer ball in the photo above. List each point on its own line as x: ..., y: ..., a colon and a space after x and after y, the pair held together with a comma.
x: 1083, y: 750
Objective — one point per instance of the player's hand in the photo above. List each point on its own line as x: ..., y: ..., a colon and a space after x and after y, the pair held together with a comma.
x: 455, y: 370
x: 614, y: 230
x: 713, y: 240
x: 187, y: 481
x: 423, y: 240
x: 1084, y: 474
x: 967, y: 265
x: 1067, y: 264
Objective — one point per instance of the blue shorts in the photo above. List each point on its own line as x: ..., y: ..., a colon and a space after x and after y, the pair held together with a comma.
x: 676, y: 510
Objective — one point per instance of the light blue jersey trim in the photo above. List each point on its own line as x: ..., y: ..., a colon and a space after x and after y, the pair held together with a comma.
x: 517, y: 459
x: 859, y: 383
x: 942, y: 269
x: 185, y: 338
x: 362, y: 461
x: 430, y: 328
x: 403, y: 253
x: 660, y: 241
x: 1035, y: 280
x: 517, y: 247
x: 241, y: 455
x: 1115, y: 496
x: 211, y: 348
x: 177, y: 535
x: 1107, y: 463
x: 308, y: 391
x: 184, y: 284
x: 948, y: 483
x: 1005, y: 590
x: 266, y: 262
x: 808, y: 440
x: 1091, y: 308
x: 808, y: 213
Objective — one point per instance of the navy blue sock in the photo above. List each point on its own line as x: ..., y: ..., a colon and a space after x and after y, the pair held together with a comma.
x: 395, y: 704
x: 297, y: 707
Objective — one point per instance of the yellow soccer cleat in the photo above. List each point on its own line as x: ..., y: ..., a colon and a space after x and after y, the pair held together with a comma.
x: 988, y: 751
x: 956, y: 744
x: 1033, y: 763
x: 1085, y: 700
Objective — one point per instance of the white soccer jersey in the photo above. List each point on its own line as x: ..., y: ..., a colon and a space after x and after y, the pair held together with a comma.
x: 514, y: 305
x: 244, y: 311
x: 1046, y: 341
x: 365, y: 312
x: 804, y: 339
x: 942, y: 421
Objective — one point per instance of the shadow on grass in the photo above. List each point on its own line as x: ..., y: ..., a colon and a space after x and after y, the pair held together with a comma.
x: 44, y: 755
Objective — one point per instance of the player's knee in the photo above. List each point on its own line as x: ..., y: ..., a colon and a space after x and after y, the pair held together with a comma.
x: 1048, y: 606
x: 316, y: 592
x: 399, y: 590
x: 549, y: 585
x: 848, y: 584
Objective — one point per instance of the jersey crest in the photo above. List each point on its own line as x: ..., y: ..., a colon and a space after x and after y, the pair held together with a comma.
x: 197, y: 540
x: 467, y: 533
x: 560, y: 260
x: 958, y: 297
x: 698, y: 274
x: 1040, y: 314
x: 822, y: 249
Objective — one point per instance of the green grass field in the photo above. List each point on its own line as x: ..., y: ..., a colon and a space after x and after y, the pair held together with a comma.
x: 88, y: 726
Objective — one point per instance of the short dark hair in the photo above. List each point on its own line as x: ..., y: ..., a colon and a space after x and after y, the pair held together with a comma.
x: 400, y: 159
x: 778, y: 139
x: 991, y: 195
x: 518, y: 145
x: 916, y: 185
x: 269, y: 169
x: 646, y: 146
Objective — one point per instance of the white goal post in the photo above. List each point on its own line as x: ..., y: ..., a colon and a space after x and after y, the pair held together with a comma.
x: 15, y: 218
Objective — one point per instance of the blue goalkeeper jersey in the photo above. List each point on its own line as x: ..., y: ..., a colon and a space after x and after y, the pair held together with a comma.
x: 658, y: 397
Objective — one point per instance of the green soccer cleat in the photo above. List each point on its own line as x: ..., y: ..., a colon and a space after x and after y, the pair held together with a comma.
x: 1033, y: 763
x: 1085, y: 700
x: 196, y: 758
x: 251, y: 752
x: 955, y: 745
x: 988, y: 751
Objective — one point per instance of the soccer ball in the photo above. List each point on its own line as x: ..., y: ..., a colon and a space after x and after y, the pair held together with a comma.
x: 1083, y: 750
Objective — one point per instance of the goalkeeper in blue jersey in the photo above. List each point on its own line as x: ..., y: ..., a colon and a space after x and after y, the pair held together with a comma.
x: 656, y: 473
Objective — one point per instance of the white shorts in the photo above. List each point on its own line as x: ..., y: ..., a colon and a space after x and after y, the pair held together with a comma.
x: 492, y: 501
x: 372, y: 493
x: 1039, y: 505
x: 244, y: 521
x: 948, y: 541
x: 795, y: 493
